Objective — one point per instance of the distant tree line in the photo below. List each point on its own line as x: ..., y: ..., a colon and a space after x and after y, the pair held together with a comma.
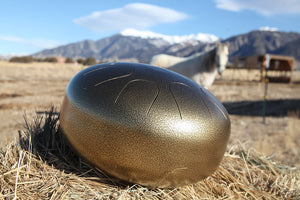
x: 22, y: 59
x: 29, y: 59
x: 88, y: 61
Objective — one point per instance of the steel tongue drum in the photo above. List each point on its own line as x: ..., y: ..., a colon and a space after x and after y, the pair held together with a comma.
x: 144, y: 124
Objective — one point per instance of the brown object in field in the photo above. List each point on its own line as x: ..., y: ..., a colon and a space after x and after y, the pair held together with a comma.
x: 144, y: 124
x: 280, y: 67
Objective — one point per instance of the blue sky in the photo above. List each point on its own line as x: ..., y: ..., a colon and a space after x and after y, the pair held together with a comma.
x: 30, y: 26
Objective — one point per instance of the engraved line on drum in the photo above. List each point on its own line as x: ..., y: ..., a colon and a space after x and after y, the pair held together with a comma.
x: 175, y: 100
x: 114, y: 78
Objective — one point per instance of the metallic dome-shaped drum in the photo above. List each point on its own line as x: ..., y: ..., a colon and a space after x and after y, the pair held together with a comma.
x: 144, y: 124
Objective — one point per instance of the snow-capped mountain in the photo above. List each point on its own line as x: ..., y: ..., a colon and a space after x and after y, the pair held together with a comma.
x: 267, y: 28
x: 133, y: 44
x: 143, y: 45
x: 202, y: 37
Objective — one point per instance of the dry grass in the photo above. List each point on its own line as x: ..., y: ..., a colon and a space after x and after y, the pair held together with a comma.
x: 283, y: 145
x: 38, y: 71
x: 42, y: 166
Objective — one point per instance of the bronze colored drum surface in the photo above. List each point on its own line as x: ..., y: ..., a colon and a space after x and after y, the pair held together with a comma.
x: 144, y: 124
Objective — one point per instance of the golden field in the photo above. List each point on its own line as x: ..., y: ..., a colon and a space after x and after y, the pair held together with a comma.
x: 262, y: 160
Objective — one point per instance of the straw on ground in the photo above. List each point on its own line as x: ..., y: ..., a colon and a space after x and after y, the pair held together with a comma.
x: 42, y: 166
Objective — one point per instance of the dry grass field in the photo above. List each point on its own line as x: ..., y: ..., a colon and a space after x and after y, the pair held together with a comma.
x: 262, y: 160
x: 29, y: 88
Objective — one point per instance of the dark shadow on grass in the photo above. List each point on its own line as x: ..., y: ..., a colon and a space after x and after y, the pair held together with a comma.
x: 274, y: 108
x: 44, y: 139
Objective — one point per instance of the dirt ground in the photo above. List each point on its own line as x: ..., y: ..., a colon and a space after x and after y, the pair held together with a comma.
x: 33, y: 88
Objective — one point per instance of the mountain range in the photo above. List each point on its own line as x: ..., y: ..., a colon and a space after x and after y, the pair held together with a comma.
x: 142, y: 45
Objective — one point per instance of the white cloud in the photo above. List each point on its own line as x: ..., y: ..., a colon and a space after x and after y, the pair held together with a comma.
x: 135, y: 15
x: 264, y: 7
x: 38, y: 43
